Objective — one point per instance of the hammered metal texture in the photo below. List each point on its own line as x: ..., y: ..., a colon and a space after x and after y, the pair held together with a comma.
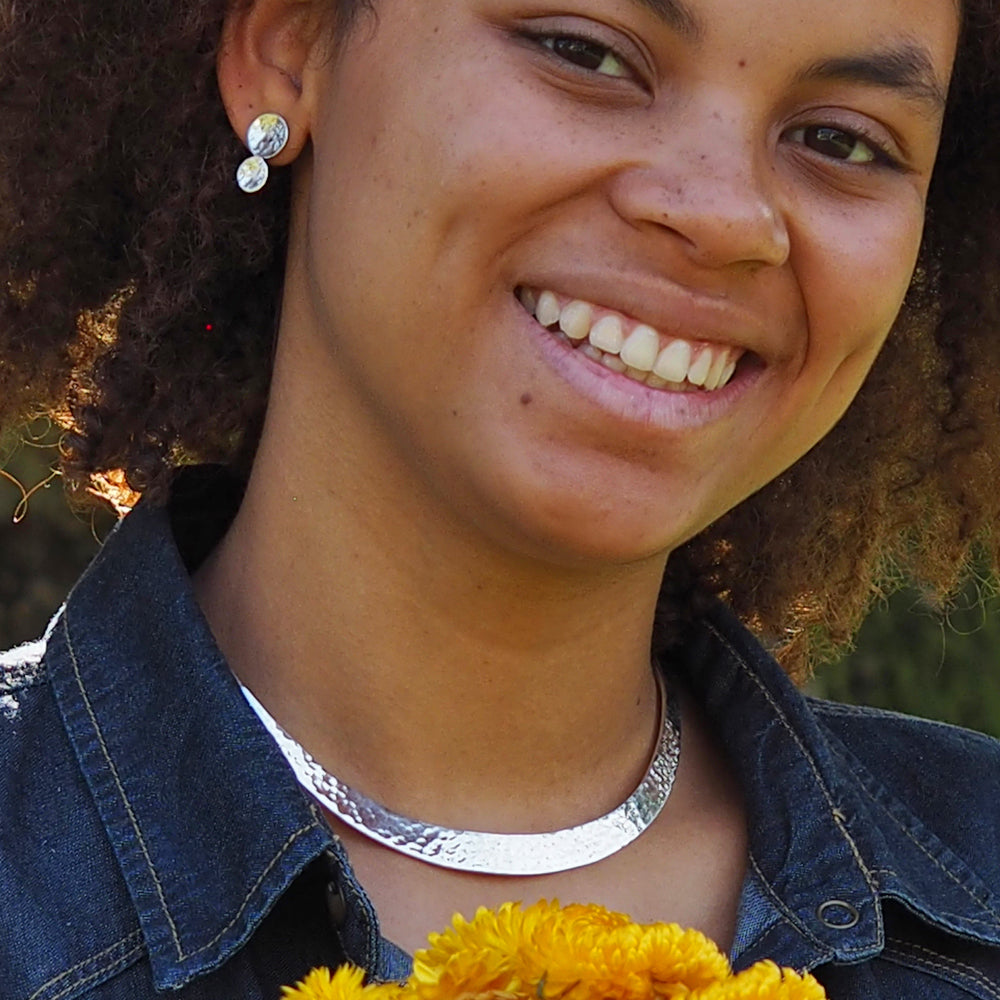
x: 267, y: 135
x: 494, y: 853
x: 252, y: 174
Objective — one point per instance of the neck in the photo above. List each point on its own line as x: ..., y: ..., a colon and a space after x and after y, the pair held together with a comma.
x: 424, y: 664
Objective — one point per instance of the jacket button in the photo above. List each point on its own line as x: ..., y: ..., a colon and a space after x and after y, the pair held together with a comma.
x: 336, y: 905
x: 838, y: 914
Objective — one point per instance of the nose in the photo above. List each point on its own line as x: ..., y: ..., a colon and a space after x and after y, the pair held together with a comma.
x: 706, y: 185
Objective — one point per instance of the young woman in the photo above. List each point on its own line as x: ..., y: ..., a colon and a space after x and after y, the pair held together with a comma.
x: 549, y: 305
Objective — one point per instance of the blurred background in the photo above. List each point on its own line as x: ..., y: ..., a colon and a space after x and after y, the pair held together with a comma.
x: 907, y: 657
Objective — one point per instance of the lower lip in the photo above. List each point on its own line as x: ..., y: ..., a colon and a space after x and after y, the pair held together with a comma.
x: 633, y: 402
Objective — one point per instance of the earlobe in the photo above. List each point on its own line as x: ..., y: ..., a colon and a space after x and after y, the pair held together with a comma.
x: 263, y: 52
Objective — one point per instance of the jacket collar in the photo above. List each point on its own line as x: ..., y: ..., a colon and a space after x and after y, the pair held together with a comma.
x: 134, y: 666
x: 828, y: 844
x: 149, y: 703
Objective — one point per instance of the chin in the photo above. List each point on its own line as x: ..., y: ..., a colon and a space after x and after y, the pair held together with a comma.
x: 583, y: 542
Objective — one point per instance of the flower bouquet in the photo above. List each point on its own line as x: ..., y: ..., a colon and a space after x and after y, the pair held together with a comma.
x: 548, y: 952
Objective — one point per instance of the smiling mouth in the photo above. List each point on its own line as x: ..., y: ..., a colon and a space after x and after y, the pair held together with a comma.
x: 631, y: 348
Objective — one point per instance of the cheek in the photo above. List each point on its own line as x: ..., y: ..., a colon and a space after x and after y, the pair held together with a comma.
x: 854, y: 268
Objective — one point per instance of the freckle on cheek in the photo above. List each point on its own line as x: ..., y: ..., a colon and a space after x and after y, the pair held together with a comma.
x: 526, y: 398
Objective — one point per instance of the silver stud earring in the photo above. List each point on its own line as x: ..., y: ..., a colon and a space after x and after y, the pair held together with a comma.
x: 266, y: 137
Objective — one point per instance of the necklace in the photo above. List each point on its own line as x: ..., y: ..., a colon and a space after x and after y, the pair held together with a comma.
x: 494, y: 853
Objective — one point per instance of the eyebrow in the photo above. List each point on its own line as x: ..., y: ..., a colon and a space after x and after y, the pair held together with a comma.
x: 907, y: 69
x: 676, y: 15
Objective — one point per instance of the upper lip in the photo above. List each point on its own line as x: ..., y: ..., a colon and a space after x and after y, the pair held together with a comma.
x: 671, y: 309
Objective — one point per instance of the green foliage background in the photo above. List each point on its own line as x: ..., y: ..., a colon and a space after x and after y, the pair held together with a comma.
x: 44, y: 546
x: 913, y: 660
x: 907, y: 658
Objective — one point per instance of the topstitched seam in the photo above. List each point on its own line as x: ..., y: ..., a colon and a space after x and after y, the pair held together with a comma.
x: 782, y: 908
x: 942, y: 963
x: 97, y: 973
x: 121, y: 790
x: 938, y: 863
x: 834, y: 811
x: 253, y: 889
x: 855, y: 711
x: 135, y: 935
x: 182, y: 956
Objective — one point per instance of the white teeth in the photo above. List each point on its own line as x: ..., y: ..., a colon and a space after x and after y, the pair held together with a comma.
x: 575, y: 320
x: 641, y: 347
x: 678, y: 367
x: 547, y: 310
x: 607, y: 335
x: 714, y: 376
x: 698, y: 371
x: 673, y: 361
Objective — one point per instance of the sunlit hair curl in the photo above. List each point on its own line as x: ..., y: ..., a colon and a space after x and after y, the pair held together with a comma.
x: 139, y: 290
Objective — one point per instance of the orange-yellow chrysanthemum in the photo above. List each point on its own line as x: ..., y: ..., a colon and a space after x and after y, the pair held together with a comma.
x: 347, y: 983
x: 548, y: 952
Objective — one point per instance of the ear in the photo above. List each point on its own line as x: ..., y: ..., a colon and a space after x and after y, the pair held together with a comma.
x: 263, y: 53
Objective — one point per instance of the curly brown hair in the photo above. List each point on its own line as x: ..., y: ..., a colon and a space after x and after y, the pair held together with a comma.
x: 139, y: 291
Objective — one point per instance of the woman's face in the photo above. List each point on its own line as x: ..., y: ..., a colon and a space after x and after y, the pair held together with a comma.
x: 710, y: 183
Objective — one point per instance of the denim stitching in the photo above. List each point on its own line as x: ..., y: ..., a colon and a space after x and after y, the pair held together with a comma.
x: 120, y: 963
x: 991, y: 925
x: 884, y: 871
x: 121, y: 790
x: 789, y: 915
x: 182, y: 956
x: 944, y: 964
x: 847, y: 710
x: 856, y: 711
x: 834, y: 811
x: 136, y: 935
x: 253, y: 889
x: 938, y: 863
x: 837, y: 815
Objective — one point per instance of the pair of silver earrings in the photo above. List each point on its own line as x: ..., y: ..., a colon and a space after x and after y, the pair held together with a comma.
x: 266, y: 137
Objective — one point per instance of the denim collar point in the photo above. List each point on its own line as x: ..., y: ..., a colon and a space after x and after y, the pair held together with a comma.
x: 831, y: 847
x: 198, y: 895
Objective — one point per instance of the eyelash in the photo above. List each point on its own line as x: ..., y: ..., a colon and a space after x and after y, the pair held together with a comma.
x: 548, y: 40
x: 881, y: 157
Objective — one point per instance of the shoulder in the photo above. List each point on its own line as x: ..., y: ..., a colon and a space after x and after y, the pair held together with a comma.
x: 945, y: 777
x: 55, y: 858
x: 928, y: 756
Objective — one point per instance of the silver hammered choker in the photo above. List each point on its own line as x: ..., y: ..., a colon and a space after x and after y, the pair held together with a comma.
x: 495, y: 853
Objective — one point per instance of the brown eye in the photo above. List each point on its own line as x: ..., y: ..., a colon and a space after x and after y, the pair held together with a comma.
x: 838, y: 144
x: 586, y: 54
x: 579, y: 51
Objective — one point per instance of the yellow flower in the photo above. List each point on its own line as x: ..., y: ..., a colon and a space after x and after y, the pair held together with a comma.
x: 548, y: 952
x: 763, y: 981
x: 344, y: 984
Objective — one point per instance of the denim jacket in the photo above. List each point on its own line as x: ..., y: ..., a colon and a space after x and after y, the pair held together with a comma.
x: 153, y: 840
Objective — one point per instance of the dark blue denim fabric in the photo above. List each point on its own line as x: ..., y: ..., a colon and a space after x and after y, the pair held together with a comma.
x: 153, y: 839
